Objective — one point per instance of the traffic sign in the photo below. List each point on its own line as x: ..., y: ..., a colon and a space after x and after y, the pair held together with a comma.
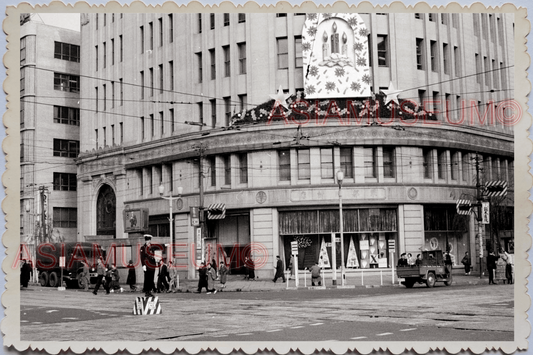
x: 61, y: 261
x: 496, y: 188
x: 392, y: 244
x: 294, y: 248
x: 464, y: 207
x: 485, y: 212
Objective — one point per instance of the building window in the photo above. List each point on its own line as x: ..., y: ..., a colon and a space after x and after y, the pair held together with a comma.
x: 160, y: 22
x: 212, y: 21
x: 487, y: 71
x: 162, y: 122
x: 446, y: 58
x: 455, y: 165
x: 213, y: 64
x: 383, y: 51
x: 172, y: 124
x: 65, y: 217
x: 104, y: 49
x: 66, y: 148
x: 326, y: 163
x: 105, y: 97
x: 226, y: 19
x: 284, y: 158
x: 494, y: 75
x: 227, y: 63
x: 281, y: 14
x: 121, y: 126
x: 161, y: 78
x: 66, y: 82
x: 444, y: 19
x: 143, y: 133
x: 152, y: 125
x: 428, y: 163
x: 484, y: 25
x: 495, y: 170
x: 96, y: 99
x: 370, y: 162
x: 112, y: 135
x: 171, y: 70
x: 433, y: 54
x: 96, y: 22
x: 419, y: 16
x: 105, y: 137
x: 347, y: 162
x: 21, y: 118
x: 211, y: 160
x: 121, y: 49
x: 242, y: 57
x: 151, y: 71
x: 22, y: 80
x: 283, y: 52
x: 304, y: 164
x: 243, y: 168
x: 112, y: 94
x: 23, y: 50
x: 455, y: 20
x: 121, y: 91
x: 466, y: 166
x: 478, y: 69
x: 388, y: 162
x: 200, y: 66
x: 503, y: 77
x: 65, y: 51
x: 227, y: 169
x: 170, y: 28
x: 105, y: 19
x: 227, y: 110
x: 242, y: 17
x: 441, y: 164
x: 243, y: 100
x: 420, y: 54
x: 142, y: 39
x: 457, y: 60
x: 142, y: 84
x: 201, y: 113
x: 67, y: 115
x: 213, y: 113
x: 432, y: 17
x: 199, y: 22
x: 151, y: 34
x: 112, y: 51
x: 298, y: 58
x: 64, y: 182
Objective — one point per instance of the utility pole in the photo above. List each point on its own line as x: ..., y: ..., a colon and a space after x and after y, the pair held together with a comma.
x: 201, y: 149
x: 479, y: 197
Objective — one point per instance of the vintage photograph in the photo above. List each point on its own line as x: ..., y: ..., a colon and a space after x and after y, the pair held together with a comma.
x: 222, y: 177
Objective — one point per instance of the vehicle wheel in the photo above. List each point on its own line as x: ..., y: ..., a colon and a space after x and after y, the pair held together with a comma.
x: 409, y: 283
x: 81, y: 282
x: 43, y: 278
x: 430, y: 282
x: 450, y: 280
x: 54, y: 279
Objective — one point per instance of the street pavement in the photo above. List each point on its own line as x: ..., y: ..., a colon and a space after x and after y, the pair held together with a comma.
x: 265, y: 311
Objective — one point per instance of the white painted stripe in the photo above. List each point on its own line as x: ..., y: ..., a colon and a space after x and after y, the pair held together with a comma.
x: 70, y: 318
x: 407, y: 330
x: 316, y: 324
x: 220, y: 336
x: 275, y: 330
x: 358, y: 338
x: 52, y: 310
x: 297, y: 327
x: 382, y: 334
x: 37, y: 323
x: 244, y: 334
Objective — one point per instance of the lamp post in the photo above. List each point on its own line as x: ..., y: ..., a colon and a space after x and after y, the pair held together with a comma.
x: 340, y: 177
x: 34, y: 256
x: 171, y: 200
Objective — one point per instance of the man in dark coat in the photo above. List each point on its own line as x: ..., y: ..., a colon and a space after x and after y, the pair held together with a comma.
x: 162, y: 279
x: 279, y: 270
x: 149, y: 265
x: 25, y: 273
x: 132, y: 278
x: 491, y: 266
x: 202, y: 281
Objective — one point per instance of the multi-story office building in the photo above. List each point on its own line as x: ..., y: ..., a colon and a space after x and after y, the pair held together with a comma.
x: 49, y: 132
x: 163, y: 99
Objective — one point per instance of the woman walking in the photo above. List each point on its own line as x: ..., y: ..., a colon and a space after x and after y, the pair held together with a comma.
x: 211, y: 277
x: 466, y: 262
x: 223, y: 271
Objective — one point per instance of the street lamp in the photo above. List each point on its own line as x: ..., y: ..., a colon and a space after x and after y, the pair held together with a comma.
x: 171, y: 200
x: 34, y: 256
x: 340, y: 177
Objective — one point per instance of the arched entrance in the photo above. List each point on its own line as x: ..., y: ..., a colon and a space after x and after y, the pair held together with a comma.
x: 106, y: 211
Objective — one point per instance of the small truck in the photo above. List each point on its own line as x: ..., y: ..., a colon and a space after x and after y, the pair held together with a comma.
x: 432, y: 268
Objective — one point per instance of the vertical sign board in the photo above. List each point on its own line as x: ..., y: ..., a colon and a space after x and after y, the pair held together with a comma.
x: 198, y: 240
x: 294, y: 248
x: 485, y: 212
x: 294, y: 251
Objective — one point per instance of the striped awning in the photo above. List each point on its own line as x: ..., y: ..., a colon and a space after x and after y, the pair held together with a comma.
x: 216, y: 211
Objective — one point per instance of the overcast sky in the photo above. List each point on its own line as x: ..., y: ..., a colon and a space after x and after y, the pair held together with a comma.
x: 64, y: 20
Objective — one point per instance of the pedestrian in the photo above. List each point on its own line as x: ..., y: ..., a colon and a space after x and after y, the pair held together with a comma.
x: 410, y: 260
x: 251, y: 269
x: 115, y: 278
x: 291, y: 267
x: 100, y: 271
x: 202, y: 279
x: 214, y: 266
x: 279, y: 270
x: 211, y: 277
x: 84, y: 279
x: 173, y: 275
x: 162, y: 278
x: 246, y: 268
x: 418, y: 260
x: 467, y: 262
x: 491, y: 267
x: 132, y: 278
x: 149, y: 264
x: 223, y: 271
x: 508, y: 259
x: 403, y: 260
x: 25, y: 273
x: 108, y: 279
x: 315, y: 275
x: 448, y: 263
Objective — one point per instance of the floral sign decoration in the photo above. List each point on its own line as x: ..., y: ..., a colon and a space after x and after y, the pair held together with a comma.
x: 303, y: 242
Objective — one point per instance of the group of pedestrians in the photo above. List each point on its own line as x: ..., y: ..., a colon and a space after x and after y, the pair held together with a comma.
x: 107, y: 276
x: 209, y: 273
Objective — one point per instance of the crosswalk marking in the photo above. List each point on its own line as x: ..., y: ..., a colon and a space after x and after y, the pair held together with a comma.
x: 244, y: 334
x: 70, y: 318
x: 316, y: 324
x: 220, y: 336
x: 407, y: 330
x: 356, y: 338
x: 274, y: 330
x: 297, y: 327
x: 382, y: 334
